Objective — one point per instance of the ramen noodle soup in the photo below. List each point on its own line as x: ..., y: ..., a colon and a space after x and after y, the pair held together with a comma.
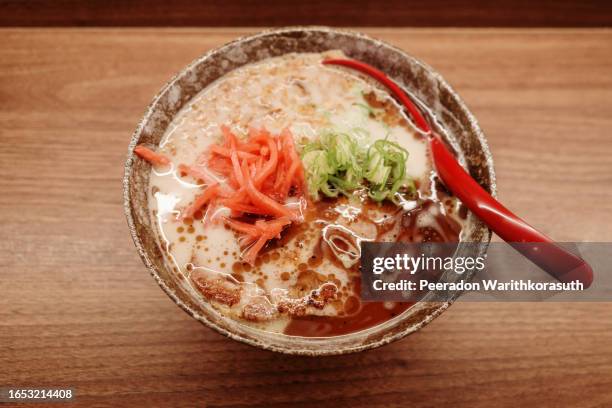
x: 265, y: 185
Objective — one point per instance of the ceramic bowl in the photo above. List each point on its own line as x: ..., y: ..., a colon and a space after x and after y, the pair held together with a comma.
x: 451, y: 116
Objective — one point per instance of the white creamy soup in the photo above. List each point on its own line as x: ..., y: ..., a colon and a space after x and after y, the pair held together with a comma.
x: 303, y: 278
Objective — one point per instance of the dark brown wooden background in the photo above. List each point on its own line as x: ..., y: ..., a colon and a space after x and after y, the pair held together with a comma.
x: 371, y: 13
x: 78, y: 309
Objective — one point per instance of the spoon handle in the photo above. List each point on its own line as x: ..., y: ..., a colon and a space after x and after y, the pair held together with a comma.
x: 549, y: 256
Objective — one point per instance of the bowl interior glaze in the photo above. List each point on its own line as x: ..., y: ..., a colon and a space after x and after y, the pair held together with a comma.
x: 450, y: 113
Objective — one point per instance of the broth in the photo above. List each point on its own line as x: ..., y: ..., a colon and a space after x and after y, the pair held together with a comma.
x: 306, y: 281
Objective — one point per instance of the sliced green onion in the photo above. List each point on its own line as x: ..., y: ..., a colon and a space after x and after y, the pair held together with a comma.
x: 337, y: 164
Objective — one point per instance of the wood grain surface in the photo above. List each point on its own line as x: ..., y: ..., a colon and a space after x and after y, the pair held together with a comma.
x: 78, y: 308
x: 373, y: 13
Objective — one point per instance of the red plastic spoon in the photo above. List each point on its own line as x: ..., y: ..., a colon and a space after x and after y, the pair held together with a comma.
x: 545, y: 253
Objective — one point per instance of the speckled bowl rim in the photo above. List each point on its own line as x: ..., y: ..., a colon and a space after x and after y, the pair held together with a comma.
x: 441, y: 306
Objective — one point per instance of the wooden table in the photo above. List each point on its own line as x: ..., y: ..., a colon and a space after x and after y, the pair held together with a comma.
x: 79, y: 309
